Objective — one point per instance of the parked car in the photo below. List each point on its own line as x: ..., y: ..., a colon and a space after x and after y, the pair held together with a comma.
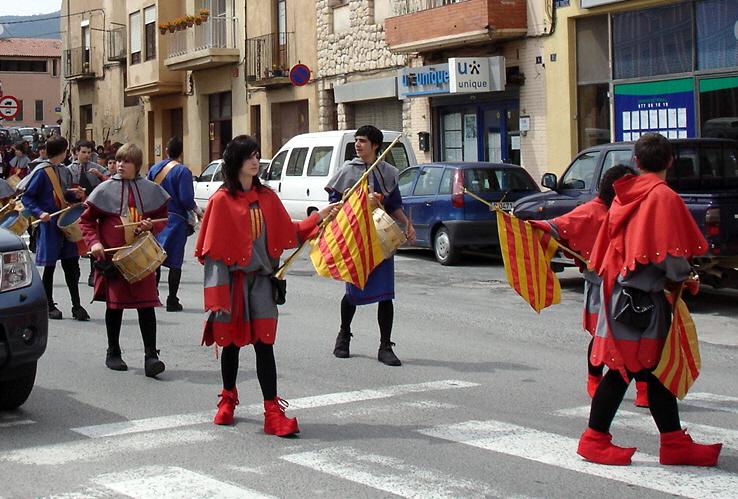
x: 23, y: 321
x: 10, y: 136
x: 705, y: 174
x: 211, y: 179
x: 302, y: 167
x: 26, y: 133
x: 448, y: 221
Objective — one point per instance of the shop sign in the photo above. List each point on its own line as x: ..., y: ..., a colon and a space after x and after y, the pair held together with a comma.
x: 587, y: 4
x: 665, y: 107
x: 476, y: 74
x: 423, y: 81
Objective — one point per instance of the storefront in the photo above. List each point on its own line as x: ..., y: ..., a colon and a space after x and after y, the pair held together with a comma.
x: 371, y: 101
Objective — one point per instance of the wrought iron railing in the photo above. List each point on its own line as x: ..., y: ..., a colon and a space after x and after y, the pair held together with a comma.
x: 268, y: 56
x: 216, y: 32
x: 117, y: 44
x: 78, y: 62
x: 403, y: 7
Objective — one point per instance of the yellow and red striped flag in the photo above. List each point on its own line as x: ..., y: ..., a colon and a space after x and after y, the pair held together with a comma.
x: 527, y: 253
x: 348, y: 249
x: 680, y: 359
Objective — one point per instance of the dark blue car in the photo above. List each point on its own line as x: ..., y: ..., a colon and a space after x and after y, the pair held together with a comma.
x: 24, y: 320
x: 448, y: 221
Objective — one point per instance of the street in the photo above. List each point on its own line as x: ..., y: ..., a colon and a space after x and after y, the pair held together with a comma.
x: 489, y: 402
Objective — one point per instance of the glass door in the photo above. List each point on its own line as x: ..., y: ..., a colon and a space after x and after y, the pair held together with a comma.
x: 499, y: 140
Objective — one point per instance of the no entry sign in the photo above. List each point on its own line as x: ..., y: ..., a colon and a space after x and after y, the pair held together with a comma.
x: 299, y: 75
x: 8, y: 107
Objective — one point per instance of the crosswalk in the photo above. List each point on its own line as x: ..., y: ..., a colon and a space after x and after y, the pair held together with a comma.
x: 353, y: 465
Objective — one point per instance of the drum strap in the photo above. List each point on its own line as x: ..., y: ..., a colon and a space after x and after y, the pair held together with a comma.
x: 164, y: 172
x: 56, y: 186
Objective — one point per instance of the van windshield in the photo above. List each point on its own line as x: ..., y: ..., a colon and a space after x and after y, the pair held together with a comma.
x: 703, y: 167
x: 397, y: 157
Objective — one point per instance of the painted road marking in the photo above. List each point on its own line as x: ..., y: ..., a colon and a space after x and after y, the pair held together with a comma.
x: 21, y: 422
x: 89, y: 450
x: 175, y: 421
x: 713, y: 401
x: 157, y: 482
x: 560, y: 451
x: 388, y: 474
x: 644, y: 422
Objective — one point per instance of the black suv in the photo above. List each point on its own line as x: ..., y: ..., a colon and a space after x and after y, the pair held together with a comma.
x: 24, y: 321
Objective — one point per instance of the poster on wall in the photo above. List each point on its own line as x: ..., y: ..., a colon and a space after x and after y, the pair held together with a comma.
x: 665, y: 107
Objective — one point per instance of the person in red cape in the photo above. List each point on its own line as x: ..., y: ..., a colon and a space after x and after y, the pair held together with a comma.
x: 124, y: 198
x: 643, y: 247
x: 245, y: 230
x: 578, y: 230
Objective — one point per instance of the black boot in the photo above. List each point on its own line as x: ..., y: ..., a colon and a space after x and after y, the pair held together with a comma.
x: 341, y: 349
x: 54, y: 313
x: 386, y: 355
x: 173, y: 304
x: 80, y: 313
x: 114, y: 360
x: 152, y: 365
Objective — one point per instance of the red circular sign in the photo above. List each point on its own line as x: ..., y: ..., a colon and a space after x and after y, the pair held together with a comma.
x: 9, y: 107
x: 299, y: 75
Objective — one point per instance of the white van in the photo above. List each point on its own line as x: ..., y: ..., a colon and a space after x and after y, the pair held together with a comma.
x: 301, y: 168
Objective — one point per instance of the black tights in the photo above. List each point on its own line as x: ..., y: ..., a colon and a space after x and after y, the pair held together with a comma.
x: 592, y: 369
x: 385, y: 317
x: 266, y: 368
x: 610, y: 393
x: 173, y: 279
x: 70, y: 266
x: 146, y: 322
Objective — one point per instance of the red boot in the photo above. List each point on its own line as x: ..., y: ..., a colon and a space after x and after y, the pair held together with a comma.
x: 597, y: 447
x: 592, y: 383
x: 226, y: 406
x: 641, y: 394
x: 275, y: 422
x: 677, y: 447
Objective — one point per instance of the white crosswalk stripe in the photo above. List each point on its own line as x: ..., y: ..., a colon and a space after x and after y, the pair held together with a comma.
x: 560, y: 451
x: 712, y: 401
x: 388, y: 474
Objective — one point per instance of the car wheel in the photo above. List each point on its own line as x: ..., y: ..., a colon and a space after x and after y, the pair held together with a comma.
x: 14, y: 392
x: 443, y: 247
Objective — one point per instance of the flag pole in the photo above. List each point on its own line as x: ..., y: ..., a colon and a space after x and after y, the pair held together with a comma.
x: 497, y: 208
x: 279, y: 274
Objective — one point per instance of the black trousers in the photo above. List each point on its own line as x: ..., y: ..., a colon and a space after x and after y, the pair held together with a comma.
x: 146, y: 322
x: 70, y: 266
x: 266, y: 368
x: 385, y: 317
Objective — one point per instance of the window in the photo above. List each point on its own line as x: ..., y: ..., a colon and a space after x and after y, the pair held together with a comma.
x: 297, y: 162
x: 150, y: 32
x: 22, y: 66
x: 86, y: 43
x: 134, y: 25
x: 481, y: 180
x: 218, y: 175
x: 19, y: 116
x: 581, y: 172
x: 406, y: 181
x: 430, y: 179
x: 275, y: 168
x: 54, y: 67
x: 39, y: 110
x: 320, y: 162
x: 207, y: 175
x: 514, y: 181
x: 717, y: 45
x: 617, y: 157
x: 593, y: 76
x: 447, y: 181
x: 397, y: 157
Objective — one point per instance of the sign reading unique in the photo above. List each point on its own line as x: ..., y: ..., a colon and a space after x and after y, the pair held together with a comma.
x: 476, y: 74
x: 299, y: 75
x: 9, y: 107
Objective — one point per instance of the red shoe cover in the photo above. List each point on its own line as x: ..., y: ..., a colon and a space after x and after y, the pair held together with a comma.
x: 226, y: 406
x: 597, y: 447
x: 275, y: 422
x: 677, y: 447
x: 592, y: 383
x: 641, y: 394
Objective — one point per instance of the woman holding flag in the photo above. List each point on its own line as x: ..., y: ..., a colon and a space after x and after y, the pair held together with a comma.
x: 244, y: 232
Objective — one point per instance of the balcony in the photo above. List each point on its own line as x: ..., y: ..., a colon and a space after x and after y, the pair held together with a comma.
x: 78, y: 64
x: 268, y: 60
x: 208, y: 45
x: 117, y: 44
x: 425, y: 25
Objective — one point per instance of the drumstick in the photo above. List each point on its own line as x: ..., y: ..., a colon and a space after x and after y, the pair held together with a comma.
x: 156, y: 220
x: 108, y: 250
x: 51, y: 215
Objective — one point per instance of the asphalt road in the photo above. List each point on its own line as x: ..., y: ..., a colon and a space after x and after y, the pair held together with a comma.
x: 490, y: 402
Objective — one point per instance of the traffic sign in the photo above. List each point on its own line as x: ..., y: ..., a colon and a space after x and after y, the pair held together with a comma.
x: 9, y: 107
x: 299, y: 75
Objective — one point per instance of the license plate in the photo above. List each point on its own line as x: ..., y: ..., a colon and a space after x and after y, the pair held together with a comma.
x: 504, y: 206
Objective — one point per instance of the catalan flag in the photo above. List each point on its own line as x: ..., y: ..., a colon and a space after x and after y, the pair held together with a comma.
x: 680, y: 359
x: 527, y: 253
x: 348, y: 249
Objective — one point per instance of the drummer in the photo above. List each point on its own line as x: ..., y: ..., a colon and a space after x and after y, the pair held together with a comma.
x: 125, y: 198
x: 48, y: 192
x: 380, y: 286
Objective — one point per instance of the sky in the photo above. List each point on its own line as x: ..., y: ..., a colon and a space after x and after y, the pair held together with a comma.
x: 27, y: 8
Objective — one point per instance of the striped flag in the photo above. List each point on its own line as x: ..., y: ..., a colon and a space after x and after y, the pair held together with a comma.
x: 527, y: 253
x: 348, y: 249
x: 680, y: 359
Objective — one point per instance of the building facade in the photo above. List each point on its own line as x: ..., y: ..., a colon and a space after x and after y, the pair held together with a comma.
x: 30, y: 71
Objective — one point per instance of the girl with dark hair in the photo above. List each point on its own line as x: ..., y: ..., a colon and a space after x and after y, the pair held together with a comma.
x: 245, y: 230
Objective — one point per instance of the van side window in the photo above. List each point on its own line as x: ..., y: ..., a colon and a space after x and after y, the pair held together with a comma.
x: 320, y: 162
x: 275, y: 168
x: 581, y: 172
x: 297, y: 162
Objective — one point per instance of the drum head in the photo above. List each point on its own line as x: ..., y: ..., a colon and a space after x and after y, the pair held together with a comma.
x: 70, y: 216
x: 9, y: 219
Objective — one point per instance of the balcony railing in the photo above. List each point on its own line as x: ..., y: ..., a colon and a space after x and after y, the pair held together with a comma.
x: 215, y: 33
x: 117, y: 44
x: 268, y: 56
x: 403, y: 7
x: 78, y: 63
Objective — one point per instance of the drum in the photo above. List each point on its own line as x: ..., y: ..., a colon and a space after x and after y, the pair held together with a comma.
x: 141, y: 259
x: 69, y: 223
x: 15, y: 222
x: 390, y: 235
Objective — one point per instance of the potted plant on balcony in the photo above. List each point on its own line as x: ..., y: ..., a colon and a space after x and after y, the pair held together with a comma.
x: 181, y: 23
x: 198, y: 20
x: 171, y: 26
x: 190, y: 20
x: 163, y: 28
x: 204, y: 14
